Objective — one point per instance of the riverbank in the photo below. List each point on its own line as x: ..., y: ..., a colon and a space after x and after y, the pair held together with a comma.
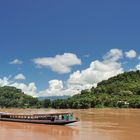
x: 43, y: 110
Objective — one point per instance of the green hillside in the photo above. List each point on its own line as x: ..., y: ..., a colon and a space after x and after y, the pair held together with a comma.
x: 128, y: 81
x: 121, y: 91
x: 13, y: 97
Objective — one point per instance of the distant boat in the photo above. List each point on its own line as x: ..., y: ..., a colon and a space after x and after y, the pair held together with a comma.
x: 51, y: 118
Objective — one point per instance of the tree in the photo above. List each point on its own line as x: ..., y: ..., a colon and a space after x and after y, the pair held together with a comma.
x: 46, y: 103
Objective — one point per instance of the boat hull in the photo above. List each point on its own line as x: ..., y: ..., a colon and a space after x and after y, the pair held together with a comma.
x: 49, y: 122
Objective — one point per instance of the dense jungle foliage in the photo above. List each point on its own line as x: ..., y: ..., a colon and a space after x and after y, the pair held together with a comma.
x: 121, y: 91
x: 13, y: 97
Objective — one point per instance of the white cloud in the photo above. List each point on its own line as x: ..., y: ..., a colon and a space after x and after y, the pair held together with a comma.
x: 29, y: 89
x: 55, y: 84
x: 20, y: 77
x: 78, y: 80
x: 113, y: 55
x: 4, y: 81
x: 138, y: 67
x: 16, y: 61
x: 131, y: 54
x: 85, y: 79
x: 60, y: 63
x: 57, y: 88
x: 97, y: 72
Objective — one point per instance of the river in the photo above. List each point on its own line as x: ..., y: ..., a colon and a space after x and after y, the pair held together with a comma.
x: 94, y: 124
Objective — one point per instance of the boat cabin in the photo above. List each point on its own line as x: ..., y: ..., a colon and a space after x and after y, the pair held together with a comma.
x: 52, y: 117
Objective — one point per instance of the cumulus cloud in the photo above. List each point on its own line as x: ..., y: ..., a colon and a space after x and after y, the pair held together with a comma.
x: 29, y: 89
x: 113, y: 55
x: 85, y: 79
x: 20, y: 76
x: 60, y: 63
x: 55, y: 84
x: 138, y: 67
x: 131, y: 54
x: 97, y: 71
x: 4, y: 81
x: 57, y: 88
x: 16, y: 62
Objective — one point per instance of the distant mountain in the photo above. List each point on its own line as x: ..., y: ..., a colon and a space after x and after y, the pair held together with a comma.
x: 53, y: 97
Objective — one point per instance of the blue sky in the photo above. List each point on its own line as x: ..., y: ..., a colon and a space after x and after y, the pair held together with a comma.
x: 88, y: 29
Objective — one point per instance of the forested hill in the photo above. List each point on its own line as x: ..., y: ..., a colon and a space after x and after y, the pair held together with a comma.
x: 120, y: 91
x: 126, y: 82
x: 13, y: 97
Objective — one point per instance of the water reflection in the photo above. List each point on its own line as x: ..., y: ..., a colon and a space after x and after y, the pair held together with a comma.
x: 10, y: 130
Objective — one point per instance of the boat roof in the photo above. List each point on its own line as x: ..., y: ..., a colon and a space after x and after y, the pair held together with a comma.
x: 60, y: 113
x: 42, y: 114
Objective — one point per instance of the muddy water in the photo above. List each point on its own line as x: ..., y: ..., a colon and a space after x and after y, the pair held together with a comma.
x: 95, y: 124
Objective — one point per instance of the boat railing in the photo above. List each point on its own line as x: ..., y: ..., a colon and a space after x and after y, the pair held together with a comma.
x: 51, y: 117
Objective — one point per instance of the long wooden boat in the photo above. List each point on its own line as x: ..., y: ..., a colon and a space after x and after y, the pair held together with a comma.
x: 51, y: 118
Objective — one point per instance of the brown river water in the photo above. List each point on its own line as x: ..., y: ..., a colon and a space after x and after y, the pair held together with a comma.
x: 94, y: 124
